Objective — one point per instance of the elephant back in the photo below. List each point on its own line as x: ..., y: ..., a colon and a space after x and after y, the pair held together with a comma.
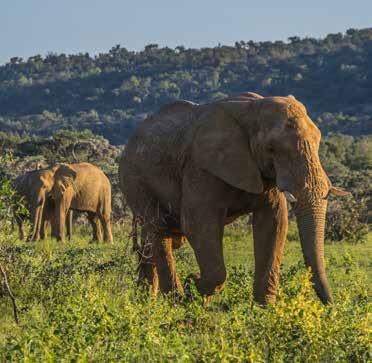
x: 177, y: 106
x: 245, y: 96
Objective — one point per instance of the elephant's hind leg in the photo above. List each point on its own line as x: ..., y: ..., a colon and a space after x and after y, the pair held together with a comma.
x: 270, y: 225
x: 147, y: 271
x: 166, y: 267
x: 157, y: 264
x: 96, y: 226
x: 106, y: 224
x: 69, y: 223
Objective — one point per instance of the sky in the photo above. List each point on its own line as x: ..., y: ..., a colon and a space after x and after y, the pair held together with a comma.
x: 30, y: 27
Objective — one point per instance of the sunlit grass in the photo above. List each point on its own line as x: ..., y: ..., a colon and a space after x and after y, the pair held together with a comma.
x: 79, y: 301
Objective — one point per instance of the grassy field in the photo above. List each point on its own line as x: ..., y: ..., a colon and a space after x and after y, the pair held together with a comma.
x: 79, y: 302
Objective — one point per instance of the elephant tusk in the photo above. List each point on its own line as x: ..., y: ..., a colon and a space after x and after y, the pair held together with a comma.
x: 290, y: 197
x: 338, y: 192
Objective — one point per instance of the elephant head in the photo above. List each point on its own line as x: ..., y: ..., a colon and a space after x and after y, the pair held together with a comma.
x: 39, y: 184
x: 250, y: 140
x: 63, y: 190
x: 64, y: 177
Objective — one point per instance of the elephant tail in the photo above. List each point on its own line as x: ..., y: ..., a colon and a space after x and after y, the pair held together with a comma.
x: 134, y: 234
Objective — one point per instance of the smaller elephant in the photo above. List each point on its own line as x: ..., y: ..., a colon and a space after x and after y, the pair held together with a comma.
x: 35, y: 187
x: 82, y: 187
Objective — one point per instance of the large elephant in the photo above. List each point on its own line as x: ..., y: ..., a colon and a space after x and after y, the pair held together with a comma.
x: 35, y: 186
x: 191, y: 169
x: 82, y: 187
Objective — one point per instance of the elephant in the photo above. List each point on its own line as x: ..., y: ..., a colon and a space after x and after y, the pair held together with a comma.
x: 191, y: 169
x: 82, y: 187
x: 35, y: 187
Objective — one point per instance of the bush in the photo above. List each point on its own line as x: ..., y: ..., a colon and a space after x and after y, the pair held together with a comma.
x: 293, y: 234
x: 12, y: 205
x: 347, y: 220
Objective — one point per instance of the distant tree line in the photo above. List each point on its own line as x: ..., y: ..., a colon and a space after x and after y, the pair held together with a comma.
x: 111, y: 92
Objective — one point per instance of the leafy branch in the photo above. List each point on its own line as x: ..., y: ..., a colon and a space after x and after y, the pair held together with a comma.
x: 6, y: 284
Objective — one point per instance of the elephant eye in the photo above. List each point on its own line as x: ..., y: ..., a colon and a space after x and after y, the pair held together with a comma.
x: 291, y: 123
x: 270, y: 149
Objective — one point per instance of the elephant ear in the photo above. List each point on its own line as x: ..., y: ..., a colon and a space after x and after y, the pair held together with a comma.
x: 221, y: 148
x: 66, y: 175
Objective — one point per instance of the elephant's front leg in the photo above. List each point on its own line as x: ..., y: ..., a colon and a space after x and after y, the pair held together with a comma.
x: 44, y: 228
x: 69, y: 223
x: 62, y: 207
x: 47, y: 219
x: 270, y: 225
x: 204, y: 229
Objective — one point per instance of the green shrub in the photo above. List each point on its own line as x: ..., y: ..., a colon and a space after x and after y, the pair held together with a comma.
x: 12, y: 205
x: 347, y: 220
x: 293, y: 234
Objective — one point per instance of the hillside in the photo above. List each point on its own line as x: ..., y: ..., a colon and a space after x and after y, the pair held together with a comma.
x: 111, y: 92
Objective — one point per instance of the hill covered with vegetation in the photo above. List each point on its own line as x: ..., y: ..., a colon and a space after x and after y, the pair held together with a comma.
x: 111, y: 92
x: 80, y: 108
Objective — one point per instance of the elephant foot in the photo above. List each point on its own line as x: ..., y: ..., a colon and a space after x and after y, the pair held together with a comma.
x: 205, y: 288
x: 264, y: 300
x: 264, y: 293
x: 33, y: 239
x: 172, y: 288
x: 61, y: 240
x: 148, y: 277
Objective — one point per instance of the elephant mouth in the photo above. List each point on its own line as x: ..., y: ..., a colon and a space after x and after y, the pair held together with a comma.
x: 268, y: 171
x: 288, y: 195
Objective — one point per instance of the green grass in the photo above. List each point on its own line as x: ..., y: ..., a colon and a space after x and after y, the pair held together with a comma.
x: 79, y: 302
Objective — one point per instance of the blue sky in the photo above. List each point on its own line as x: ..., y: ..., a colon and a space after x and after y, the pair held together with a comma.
x: 29, y: 27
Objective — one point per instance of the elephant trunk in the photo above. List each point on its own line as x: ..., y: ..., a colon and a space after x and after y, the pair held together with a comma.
x: 311, y: 223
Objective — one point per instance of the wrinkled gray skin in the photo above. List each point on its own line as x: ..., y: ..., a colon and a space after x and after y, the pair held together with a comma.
x: 190, y: 169
x: 36, y: 188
